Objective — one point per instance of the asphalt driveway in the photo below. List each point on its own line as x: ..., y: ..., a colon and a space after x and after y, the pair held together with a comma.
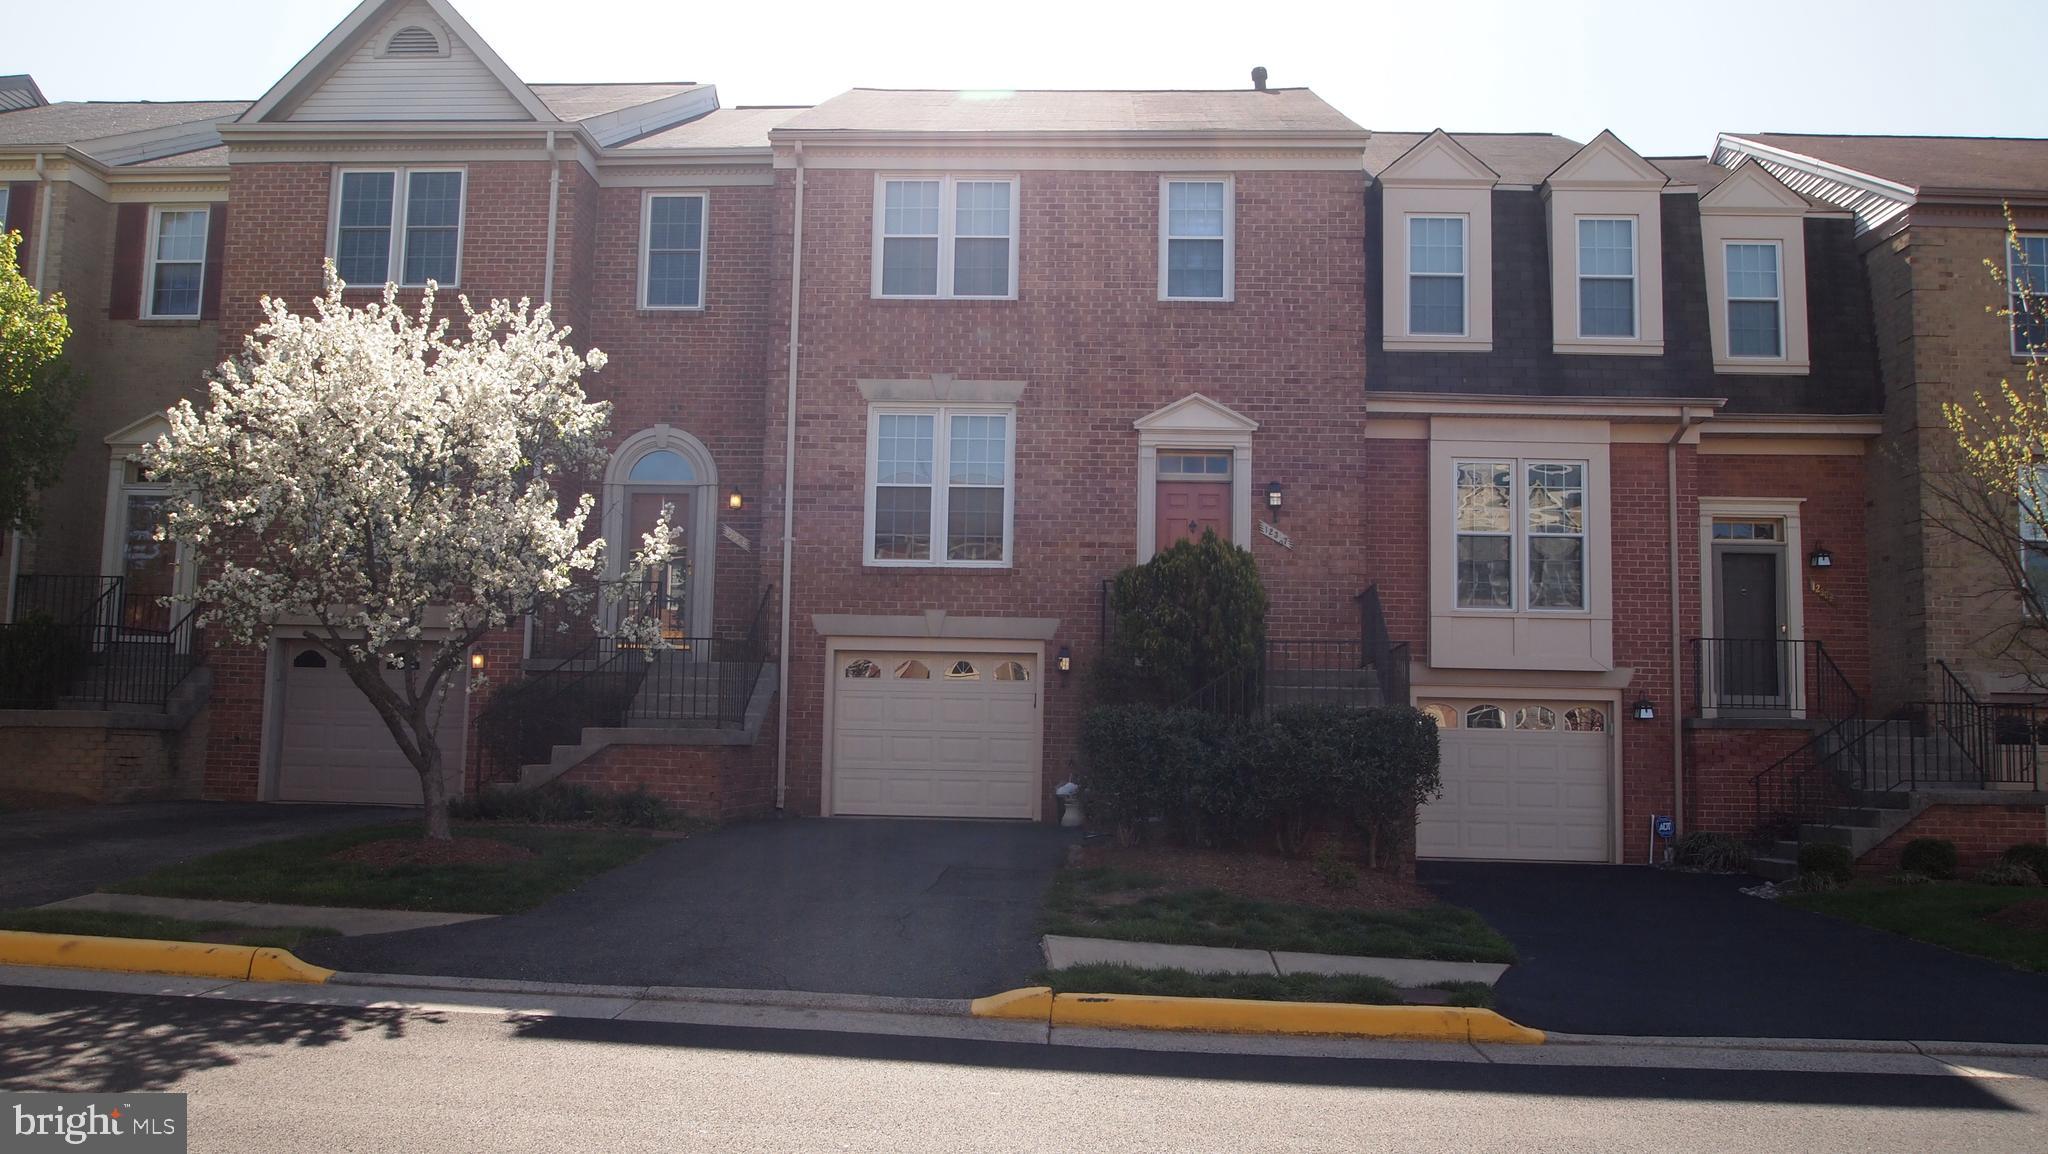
x: 945, y: 909
x: 49, y: 855
x: 1631, y: 950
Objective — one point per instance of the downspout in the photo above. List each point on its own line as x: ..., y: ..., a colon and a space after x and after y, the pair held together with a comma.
x: 1686, y: 420
x: 547, y: 276
x: 42, y: 220
x: 796, y: 284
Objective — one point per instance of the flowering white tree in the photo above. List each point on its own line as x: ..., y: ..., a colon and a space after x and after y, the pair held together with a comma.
x: 391, y: 492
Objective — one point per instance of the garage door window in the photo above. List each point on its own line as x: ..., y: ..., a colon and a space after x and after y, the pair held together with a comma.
x: 310, y: 659
x: 913, y: 670
x: 1485, y: 717
x: 962, y: 671
x: 862, y: 668
x: 1012, y: 671
x: 1535, y: 717
x: 1585, y: 719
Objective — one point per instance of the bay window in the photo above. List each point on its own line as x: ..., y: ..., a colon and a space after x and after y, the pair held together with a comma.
x: 1521, y: 517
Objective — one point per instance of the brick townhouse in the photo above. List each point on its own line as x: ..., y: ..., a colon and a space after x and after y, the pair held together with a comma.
x: 1569, y: 442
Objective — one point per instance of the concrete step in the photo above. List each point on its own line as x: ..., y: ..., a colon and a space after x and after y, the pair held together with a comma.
x: 1775, y: 869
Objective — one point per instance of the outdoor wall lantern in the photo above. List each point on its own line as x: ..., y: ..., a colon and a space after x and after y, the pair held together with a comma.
x: 1273, y: 490
x: 476, y: 661
x: 1065, y: 660
x: 734, y: 500
x: 1645, y: 710
x: 1822, y: 559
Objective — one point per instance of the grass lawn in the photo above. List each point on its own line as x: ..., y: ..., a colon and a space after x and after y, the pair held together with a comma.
x: 300, y: 871
x: 101, y: 923
x: 1952, y: 914
x: 1109, y: 903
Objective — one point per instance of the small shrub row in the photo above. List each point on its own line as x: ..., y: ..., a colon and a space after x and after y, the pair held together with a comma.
x: 1933, y: 856
x: 1202, y: 779
x: 1715, y: 853
x: 571, y: 805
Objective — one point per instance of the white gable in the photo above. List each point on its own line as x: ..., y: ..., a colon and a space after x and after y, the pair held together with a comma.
x: 1439, y: 160
x: 437, y: 73
x: 1195, y: 413
x: 1751, y: 191
x: 1605, y: 160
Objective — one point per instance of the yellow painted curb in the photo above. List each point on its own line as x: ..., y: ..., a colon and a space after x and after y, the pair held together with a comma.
x: 1247, y: 1016
x: 148, y: 956
x: 1028, y: 1003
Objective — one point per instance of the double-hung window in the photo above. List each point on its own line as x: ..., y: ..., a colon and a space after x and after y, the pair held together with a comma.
x: 2027, y: 280
x: 177, y: 262
x: 939, y: 488
x: 1436, y: 275
x: 1607, y: 277
x: 2033, y: 491
x: 950, y: 236
x: 1196, y: 242
x: 4, y: 190
x: 1526, y: 517
x: 1756, y: 312
x: 399, y: 224
x: 672, y: 251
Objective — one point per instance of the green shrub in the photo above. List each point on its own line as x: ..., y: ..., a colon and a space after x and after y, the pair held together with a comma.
x: 1330, y: 866
x: 1194, y: 612
x: 1822, y: 860
x: 1204, y: 779
x: 39, y: 659
x: 2008, y: 873
x: 1711, y: 853
x: 2031, y: 854
x: 1933, y: 856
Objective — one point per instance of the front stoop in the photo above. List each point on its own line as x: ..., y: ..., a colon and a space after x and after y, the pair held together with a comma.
x: 594, y: 741
x: 1862, y: 827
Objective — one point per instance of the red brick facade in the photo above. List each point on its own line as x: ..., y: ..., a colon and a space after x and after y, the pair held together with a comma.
x: 1981, y: 832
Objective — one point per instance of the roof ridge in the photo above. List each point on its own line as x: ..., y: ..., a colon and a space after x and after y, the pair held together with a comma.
x: 611, y: 83
x: 1094, y: 91
x: 1890, y: 136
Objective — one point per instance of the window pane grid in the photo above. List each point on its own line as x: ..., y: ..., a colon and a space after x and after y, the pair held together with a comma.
x: 363, y: 248
x: 433, y: 214
x: 1538, y: 507
x: 1753, y: 300
x: 1436, y: 281
x: 177, y: 263
x: 2028, y: 277
x: 1607, y: 282
x: 675, y: 251
x: 964, y: 519
x: 1196, y: 229
x: 1554, y: 513
x: 947, y: 238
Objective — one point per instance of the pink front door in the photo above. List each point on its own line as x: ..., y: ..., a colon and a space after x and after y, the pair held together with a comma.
x: 1187, y: 508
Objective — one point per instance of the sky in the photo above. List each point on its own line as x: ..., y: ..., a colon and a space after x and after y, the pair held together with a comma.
x: 1665, y: 77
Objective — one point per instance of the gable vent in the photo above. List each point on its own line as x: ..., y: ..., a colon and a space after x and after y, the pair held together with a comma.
x: 413, y: 41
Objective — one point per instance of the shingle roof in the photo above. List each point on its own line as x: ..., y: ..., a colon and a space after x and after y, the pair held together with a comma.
x: 19, y: 91
x: 71, y: 121
x: 215, y: 157
x: 1985, y: 163
x: 583, y: 101
x: 1694, y: 170
x: 1278, y: 110
x: 1519, y: 157
x: 741, y: 127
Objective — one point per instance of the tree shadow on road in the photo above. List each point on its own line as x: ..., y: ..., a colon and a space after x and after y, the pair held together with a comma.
x: 114, y: 1043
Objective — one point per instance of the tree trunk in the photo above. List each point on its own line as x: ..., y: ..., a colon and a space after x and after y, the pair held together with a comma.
x: 433, y: 783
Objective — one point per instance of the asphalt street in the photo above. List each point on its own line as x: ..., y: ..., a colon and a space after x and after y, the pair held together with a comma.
x: 289, y: 1078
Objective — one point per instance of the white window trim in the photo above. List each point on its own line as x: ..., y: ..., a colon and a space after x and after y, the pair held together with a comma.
x: 1229, y: 184
x: 401, y: 177
x: 1635, y: 279
x: 123, y: 445
x: 942, y: 448
x: 948, y: 223
x: 703, y: 248
x: 150, y: 261
x: 1464, y: 274
x: 1728, y: 299
x: 1518, y: 537
x: 2012, y: 323
x: 4, y: 205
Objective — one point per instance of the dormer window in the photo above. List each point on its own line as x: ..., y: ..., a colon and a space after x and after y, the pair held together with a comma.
x: 1436, y: 275
x: 413, y: 40
x: 1753, y: 232
x: 1607, y: 277
x: 1755, y: 301
x: 1437, y: 235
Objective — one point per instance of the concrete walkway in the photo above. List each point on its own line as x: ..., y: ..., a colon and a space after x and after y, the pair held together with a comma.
x: 1061, y: 952
x: 343, y: 920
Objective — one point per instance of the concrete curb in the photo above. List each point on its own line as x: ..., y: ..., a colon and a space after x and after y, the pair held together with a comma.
x: 715, y: 995
x: 1062, y: 951
x: 1931, y: 1049
x: 149, y: 956
x: 1244, y: 1016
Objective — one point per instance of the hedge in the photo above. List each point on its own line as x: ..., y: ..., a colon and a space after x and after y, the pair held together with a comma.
x: 1202, y: 779
x: 1191, y: 614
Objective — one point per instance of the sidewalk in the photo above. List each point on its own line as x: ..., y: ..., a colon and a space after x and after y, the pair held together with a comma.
x: 342, y: 920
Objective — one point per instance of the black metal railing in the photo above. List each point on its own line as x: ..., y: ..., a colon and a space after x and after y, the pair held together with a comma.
x: 67, y: 597
x: 1387, y: 656
x: 610, y: 683
x: 562, y: 627
x: 1369, y: 671
x: 1768, y: 676
x: 89, y: 658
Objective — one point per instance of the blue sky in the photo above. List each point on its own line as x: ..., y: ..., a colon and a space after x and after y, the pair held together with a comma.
x: 1663, y: 76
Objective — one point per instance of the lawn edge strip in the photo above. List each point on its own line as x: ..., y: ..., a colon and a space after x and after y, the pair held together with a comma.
x: 151, y: 956
x: 1247, y: 1016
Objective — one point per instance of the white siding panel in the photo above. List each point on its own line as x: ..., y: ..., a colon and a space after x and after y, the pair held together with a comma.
x: 367, y: 86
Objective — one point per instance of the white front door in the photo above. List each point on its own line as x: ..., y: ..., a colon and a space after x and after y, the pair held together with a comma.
x: 935, y: 734
x: 1540, y: 792
x: 334, y: 747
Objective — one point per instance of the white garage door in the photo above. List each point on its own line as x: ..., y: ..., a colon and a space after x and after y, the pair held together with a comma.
x: 334, y: 747
x: 933, y: 734
x: 1521, y: 783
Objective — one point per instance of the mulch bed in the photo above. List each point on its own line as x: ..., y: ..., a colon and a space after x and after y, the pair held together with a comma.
x: 1262, y: 877
x: 418, y: 851
x: 2031, y: 914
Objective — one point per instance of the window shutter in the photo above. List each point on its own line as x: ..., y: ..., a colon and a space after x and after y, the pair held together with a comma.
x: 131, y: 234
x: 21, y: 216
x: 216, y: 243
